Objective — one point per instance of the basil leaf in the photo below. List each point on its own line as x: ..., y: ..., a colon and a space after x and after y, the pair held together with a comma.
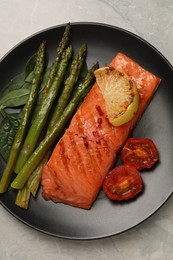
x: 27, y: 85
x: 15, y: 83
x: 30, y: 77
x: 8, y: 129
x: 15, y: 98
x: 30, y: 65
x: 15, y: 93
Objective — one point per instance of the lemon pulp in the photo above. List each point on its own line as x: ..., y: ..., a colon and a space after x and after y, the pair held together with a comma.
x: 120, y: 94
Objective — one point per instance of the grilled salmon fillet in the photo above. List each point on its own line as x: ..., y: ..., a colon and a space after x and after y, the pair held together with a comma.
x: 87, y: 151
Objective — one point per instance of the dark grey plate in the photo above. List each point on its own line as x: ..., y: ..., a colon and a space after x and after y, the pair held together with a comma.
x: 105, y: 218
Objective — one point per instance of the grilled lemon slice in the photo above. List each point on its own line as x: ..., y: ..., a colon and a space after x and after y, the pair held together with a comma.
x: 120, y: 94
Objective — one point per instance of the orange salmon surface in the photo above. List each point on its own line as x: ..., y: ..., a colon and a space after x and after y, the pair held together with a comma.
x: 87, y: 151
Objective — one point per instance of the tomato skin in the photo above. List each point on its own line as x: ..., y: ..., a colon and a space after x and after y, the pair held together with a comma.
x: 140, y: 153
x: 122, y: 183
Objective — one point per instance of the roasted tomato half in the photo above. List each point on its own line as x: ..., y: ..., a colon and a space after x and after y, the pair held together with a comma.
x: 140, y: 153
x: 122, y: 183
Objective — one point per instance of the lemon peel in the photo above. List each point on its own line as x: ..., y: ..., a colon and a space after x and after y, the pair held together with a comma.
x: 120, y: 94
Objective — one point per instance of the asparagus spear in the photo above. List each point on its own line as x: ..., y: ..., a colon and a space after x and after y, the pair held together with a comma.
x: 23, y: 196
x: 60, y: 49
x: 34, y: 179
x: 71, y: 80
x: 43, y: 112
x: 46, y: 143
x: 31, y: 187
x: 26, y: 114
x: 73, y: 76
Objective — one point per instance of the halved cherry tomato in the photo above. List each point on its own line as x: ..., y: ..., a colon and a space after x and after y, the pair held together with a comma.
x: 140, y: 153
x: 122, y: 183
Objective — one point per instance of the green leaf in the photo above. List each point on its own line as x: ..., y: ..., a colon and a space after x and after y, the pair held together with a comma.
x: 30, y: 77
x: 8, y: 129
x: 27, y: 85
x: 15, y: 93
x: 30, y: 65
x: 15, y: 98
x: 15, y: 83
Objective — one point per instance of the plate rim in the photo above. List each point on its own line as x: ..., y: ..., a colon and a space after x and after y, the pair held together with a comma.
x: 86, y: 23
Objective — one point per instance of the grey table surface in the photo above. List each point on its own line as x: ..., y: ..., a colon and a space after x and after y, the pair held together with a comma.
x: 149, y: 19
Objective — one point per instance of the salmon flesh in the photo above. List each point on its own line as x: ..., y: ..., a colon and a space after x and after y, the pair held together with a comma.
x: 88, y: 149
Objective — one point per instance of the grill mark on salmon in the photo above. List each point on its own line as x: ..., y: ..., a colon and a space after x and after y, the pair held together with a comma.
x: 78, y: 162
x: 97, y: 136
x: 87, y: 165
x: 87, y: 151
x: 63, y: 155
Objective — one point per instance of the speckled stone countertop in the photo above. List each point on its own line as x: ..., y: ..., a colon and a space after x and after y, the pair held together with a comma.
x: 149, y: 19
